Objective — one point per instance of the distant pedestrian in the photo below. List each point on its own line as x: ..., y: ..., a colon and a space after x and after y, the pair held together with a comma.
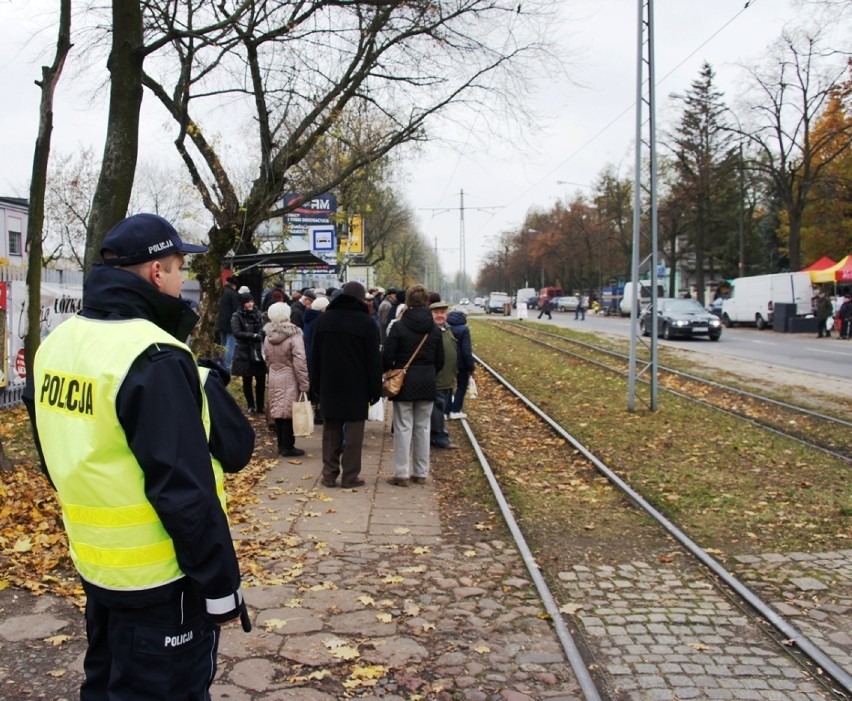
x: 347, y: 374
x: 845, y: 316
x: 247, y: 327
x: 546, y: 308
x: 582, y: 305
x: 228, y: 304
x: 412, y: 407
x: 288, y: 374
x: 440, y: 436
x: 823, y: 311
x: 385, y: 312
x: 457, y: 322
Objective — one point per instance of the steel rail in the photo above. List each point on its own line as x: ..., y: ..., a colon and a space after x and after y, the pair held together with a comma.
x: 581, y: 671
x: 807, y: 647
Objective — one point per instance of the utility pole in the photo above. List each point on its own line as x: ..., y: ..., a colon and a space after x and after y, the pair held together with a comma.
x: 462, y: 245
x: 644, y: 188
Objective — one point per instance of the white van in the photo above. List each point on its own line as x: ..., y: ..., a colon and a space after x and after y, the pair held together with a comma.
x: 644, y: 297
x: 752, y: 299
x: 523, y: 296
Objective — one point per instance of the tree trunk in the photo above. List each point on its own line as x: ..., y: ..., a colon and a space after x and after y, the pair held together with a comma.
x: 109, y: 204
x: 41, y: 154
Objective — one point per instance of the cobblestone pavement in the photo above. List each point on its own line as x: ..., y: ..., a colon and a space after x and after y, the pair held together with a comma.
x: 362, y: 597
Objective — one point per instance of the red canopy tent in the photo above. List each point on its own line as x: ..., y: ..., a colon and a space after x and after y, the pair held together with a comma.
x: 821, y: 264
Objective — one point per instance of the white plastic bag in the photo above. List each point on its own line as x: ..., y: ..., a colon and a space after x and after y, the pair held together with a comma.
x: 377, y: 411
x: 303, y: 416
x: 472, y: 392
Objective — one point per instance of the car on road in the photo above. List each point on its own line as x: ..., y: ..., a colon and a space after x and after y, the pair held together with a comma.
x: 567, y: 304
x: 496, y: 301
x: 464, y: 301
x: 680, y: 318
x: 479, y: 301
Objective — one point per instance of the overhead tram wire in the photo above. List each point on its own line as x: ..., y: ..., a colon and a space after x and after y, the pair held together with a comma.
x: 627, y: 109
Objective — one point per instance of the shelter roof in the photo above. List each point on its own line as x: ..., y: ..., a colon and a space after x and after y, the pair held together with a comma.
x: 281, y: 259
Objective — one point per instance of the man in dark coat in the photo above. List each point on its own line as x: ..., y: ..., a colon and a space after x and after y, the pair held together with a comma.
x: 347, y: 374
x: 298, y: 308
x: 229, y: 303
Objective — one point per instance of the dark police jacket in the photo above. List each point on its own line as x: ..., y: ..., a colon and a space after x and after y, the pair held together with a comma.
x: 174, y: 453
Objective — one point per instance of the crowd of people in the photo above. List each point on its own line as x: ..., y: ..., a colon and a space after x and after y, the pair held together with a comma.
x: 334, y: 345
x: 135, y: 433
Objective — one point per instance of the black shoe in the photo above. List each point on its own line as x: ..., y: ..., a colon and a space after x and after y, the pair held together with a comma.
x: 291, y: 452
x: 251, y: 410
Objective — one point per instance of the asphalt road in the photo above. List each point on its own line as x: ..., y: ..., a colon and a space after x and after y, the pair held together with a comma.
x: 830, y: 357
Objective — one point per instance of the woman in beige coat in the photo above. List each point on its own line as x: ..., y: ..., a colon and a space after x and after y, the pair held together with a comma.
x: 288, y: 374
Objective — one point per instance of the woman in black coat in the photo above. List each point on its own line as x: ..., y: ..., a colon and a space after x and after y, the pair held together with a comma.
x: 248, y: 363
x: 412, y: 407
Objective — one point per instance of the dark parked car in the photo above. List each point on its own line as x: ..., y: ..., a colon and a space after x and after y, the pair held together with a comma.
x: 678, y: 317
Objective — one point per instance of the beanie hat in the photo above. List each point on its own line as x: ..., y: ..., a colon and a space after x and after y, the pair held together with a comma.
x: 278, y: 312
x: 320, y: 304
x: 355, y: 289
x: 245, y: 297
x: 244, y: 290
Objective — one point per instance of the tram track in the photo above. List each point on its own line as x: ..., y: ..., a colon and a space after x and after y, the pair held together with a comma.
x: 830, y: 434
x: 787, y: 640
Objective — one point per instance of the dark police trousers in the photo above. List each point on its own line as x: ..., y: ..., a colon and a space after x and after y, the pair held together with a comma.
x: 162, y: 652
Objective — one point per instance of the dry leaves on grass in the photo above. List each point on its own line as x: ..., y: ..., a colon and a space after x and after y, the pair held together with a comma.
x: 33, y: 546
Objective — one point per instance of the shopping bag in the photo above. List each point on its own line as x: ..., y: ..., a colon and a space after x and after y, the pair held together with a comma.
x: 376, y: 411
x: 392, y: 382
x: 472, y: 392
x: 303, y: 416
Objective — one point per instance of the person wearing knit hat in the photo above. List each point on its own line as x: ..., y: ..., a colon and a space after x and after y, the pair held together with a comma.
x: 288, y: 374
x: 347, y: 376
x: 248, y: 363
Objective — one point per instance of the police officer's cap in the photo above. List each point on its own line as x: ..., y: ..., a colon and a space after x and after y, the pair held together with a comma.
x: 143, y: 237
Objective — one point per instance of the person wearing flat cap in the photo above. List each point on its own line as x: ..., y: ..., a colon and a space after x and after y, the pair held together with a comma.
x: 440, y: 437
x: 347, y: 376
x: 130, y: 435
x: 298, y: 308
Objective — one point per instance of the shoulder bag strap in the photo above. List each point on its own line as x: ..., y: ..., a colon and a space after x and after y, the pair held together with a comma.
x: 416, y: 351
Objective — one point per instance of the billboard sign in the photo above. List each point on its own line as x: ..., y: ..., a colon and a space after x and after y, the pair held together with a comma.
x: 317, y: 211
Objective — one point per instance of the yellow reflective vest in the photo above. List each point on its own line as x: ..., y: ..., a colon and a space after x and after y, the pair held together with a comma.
x: 115, y: 537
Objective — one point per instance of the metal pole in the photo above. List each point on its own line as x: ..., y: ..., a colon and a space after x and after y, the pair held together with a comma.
x: 742, y: 214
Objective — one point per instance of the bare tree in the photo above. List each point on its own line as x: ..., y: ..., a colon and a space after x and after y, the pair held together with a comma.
x: 41, y: 156
x: 368, y: 77
x: 792, y: 94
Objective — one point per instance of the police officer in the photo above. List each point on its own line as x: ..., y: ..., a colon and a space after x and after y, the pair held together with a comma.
x: 126, y: 431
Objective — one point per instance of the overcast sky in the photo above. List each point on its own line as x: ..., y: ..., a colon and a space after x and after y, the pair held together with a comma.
x: 587, y: 122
